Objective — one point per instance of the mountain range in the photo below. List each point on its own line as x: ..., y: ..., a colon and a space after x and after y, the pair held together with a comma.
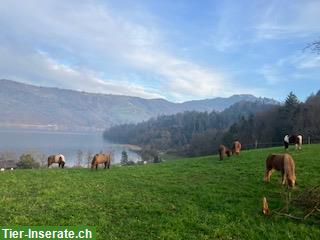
x: 25, y: 106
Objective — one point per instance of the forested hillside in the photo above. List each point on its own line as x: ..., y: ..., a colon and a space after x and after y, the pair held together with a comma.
x: 294, y: 117
x: 188, y: 133
x: 194, y: 133
x: 27, y: 106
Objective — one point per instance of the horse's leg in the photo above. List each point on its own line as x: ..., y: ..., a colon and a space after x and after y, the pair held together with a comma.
x: 96, y: 166
x: 284, y: 177
x: 59, y: 164
x: 267, y: 175
x: 105, y: 165
x: 108, y: 164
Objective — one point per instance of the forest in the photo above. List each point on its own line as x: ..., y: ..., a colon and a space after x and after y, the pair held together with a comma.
x: 200, y: 133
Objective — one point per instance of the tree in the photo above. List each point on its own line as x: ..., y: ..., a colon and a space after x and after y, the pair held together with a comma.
x: 89, y: 158
x: 124, y: 158
x: 292, y: 101
x: 157, y: 159
x: 79, y: 158
x: 27, y: 161
x: 314, y: 46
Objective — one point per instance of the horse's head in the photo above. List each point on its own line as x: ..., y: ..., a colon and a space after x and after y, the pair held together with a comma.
x: 94, y: 160
x: 291, y: 182
x: 93, y: 163
x: 49, y: 160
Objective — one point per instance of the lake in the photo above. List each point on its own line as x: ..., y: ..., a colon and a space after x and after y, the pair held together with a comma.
x: 44, y: 143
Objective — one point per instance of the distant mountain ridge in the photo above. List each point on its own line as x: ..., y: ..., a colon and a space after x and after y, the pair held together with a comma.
x: 32, y: 107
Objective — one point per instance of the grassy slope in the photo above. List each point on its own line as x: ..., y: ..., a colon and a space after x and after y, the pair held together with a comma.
x: 200, y: 198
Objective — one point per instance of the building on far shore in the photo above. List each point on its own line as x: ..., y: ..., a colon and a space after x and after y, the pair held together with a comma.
x: 8, y: 164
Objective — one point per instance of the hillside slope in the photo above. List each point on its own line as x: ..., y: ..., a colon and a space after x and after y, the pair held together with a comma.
x: 199, y: 198
x: 27, y: 106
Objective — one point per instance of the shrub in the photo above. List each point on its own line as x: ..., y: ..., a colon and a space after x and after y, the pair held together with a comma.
x: 27, y: 161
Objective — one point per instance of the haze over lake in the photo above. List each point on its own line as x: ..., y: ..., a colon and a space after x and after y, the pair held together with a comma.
x: 18, y: 142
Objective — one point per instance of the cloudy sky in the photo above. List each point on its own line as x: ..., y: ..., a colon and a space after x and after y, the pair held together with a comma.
x: 178, y: 50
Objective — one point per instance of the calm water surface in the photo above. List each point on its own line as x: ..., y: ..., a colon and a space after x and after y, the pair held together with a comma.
x: 17, y: 142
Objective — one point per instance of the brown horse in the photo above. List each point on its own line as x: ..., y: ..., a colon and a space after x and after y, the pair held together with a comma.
x: 101, y: 158
x: 283, y: 163
x: 236, y: 148
x: 223, y: 150
x: 59, y: 158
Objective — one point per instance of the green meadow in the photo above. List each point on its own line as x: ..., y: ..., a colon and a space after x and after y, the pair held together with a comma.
x: 195, y: 198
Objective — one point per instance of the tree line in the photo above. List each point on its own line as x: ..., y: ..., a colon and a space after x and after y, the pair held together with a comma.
x: 200, y: 133
x: 294, y: 117
x: 187, y: 134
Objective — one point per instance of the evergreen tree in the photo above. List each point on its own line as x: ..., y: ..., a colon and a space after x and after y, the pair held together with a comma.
x: 124, y: 158
x: 292, y: 101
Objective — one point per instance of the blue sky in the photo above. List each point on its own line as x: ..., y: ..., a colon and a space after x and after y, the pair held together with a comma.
x: 177, y: 50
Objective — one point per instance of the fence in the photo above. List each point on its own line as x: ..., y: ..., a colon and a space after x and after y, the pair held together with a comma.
x: 258, y: 144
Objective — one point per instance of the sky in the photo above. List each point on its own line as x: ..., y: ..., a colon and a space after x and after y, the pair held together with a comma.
x: 177, y: 50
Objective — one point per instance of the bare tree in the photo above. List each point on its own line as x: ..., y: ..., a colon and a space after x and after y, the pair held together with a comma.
x: 89, y: 158
x: 39, y: 157
x: 314, y: 46
x: 79, y: 158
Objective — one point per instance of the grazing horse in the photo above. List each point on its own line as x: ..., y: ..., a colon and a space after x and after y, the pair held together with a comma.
x: 236, y: 148
x: 101, y: 158
x: 59, y: 158
x: 296, y: 139
x: 222, y: 151
x: 283, y: 163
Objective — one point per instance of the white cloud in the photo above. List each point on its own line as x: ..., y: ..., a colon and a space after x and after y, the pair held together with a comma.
x: 271, y: 74
x: 85, y: 38
x: 301, y: 61
x: 287, y: 19
x: 182, y: 77
x: 38, y: 68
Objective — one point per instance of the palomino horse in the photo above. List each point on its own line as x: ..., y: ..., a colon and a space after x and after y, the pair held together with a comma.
x: 223, y: 150
x: 296, y: 139
x: 59, y: 158
x: 101, y: 158
x: 283, y: 163
x: 236, y: 148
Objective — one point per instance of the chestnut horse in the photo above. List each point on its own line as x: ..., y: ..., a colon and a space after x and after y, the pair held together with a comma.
x: 101, y: 158
x: 236, y: 148
x: 296, y: 139
x: 283, y: 163
x: 58, y: 158
x: 222, y: 151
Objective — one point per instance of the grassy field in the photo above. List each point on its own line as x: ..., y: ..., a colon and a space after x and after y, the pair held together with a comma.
x: 198, y: 198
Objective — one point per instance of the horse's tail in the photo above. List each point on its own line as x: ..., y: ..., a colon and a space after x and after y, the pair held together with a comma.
x: 109, y: 162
